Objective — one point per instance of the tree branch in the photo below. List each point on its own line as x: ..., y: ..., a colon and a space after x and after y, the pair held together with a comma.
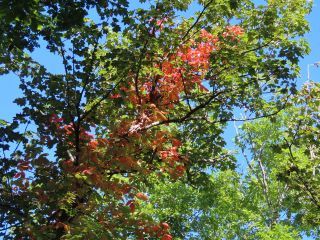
x: 198, y: 19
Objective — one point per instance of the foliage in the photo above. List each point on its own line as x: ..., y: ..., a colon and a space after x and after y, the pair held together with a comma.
x: 226, y: 208
x: 286, y: 149
x: 144, y: 95
x: 277, y: 197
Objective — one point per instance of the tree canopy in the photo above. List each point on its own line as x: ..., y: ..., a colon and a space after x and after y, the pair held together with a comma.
x: 127, y: 141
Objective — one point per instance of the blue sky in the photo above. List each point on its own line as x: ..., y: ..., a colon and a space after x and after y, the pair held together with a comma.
x: 314, y: 39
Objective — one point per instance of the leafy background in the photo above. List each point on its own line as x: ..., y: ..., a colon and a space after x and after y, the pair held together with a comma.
x: 9, y: 91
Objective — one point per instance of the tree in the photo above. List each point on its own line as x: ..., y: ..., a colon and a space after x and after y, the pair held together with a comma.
x: 229, y: 206
x: 144, y: 94
x: 277, y: 197
x: 285, y: 149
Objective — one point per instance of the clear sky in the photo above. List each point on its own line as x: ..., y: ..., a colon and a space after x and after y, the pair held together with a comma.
x: 314, y: 39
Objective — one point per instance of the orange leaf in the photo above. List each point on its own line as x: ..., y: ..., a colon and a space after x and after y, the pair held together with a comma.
x: 142, y: 196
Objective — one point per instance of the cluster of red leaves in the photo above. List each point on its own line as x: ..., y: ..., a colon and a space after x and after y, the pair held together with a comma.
x: 65, y: 132
x: 122, y: 151
x: 94, y: 163
x: 155, y: 96
x: 182, y: 71
x: 160, y: 231
x: 22, y: 182
x: 233, y: 32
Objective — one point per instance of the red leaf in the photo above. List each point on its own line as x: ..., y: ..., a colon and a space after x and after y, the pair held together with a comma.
x: 131, y: 205
x: 165, y: 225
x: 114, y: 96
x: 142, y: 196
x: 166, y: 237
x: 88, y: 171
x: 17, y: 175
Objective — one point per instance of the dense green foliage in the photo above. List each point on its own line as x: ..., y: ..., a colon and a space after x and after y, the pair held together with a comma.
x: 277, y: 197
x: 127, y: 141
